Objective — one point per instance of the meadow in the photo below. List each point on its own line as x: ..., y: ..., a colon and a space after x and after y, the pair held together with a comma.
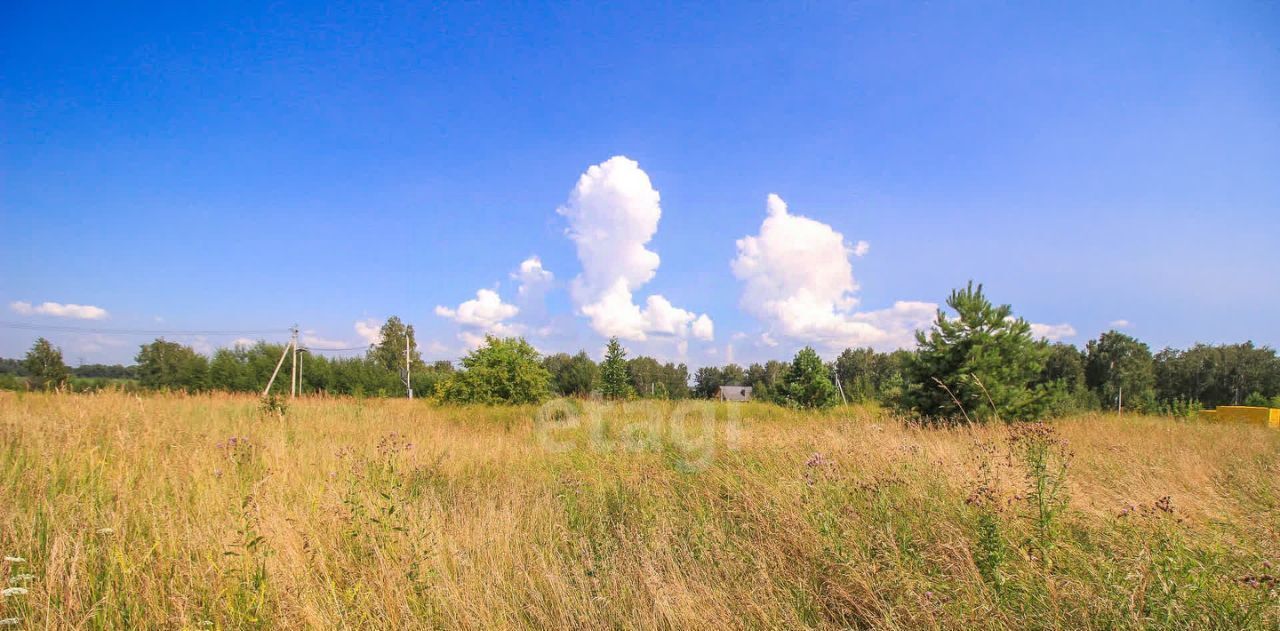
x: 127, y: 511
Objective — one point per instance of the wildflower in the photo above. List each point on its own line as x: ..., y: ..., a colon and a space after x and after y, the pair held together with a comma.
x: 10, y: 622
x: 22, y: 578
x: 14, y: 560
x: 106, y: 532
x: 13, y: 591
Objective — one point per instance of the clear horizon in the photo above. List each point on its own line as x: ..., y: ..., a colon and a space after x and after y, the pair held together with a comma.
x: 708, y: 185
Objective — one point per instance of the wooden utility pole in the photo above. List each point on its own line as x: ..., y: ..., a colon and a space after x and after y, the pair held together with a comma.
x: 267, y: 390
x: 408, y: 365
x: 835, y: 374
x: 293, y: 374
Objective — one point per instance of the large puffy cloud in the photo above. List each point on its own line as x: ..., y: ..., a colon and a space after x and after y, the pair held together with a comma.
x: 798, y: 280
x: 613, y: 213
x: 59, y: 310
x: 486, y: 312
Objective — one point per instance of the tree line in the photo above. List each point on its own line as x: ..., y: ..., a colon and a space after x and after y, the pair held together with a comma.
x: 979, y: 363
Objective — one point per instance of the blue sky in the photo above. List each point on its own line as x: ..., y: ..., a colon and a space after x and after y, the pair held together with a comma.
x: 244, y: 167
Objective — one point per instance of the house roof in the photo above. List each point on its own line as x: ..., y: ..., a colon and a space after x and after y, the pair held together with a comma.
x: 735, y: 393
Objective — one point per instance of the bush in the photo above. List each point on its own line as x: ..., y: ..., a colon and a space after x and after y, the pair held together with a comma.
x: 503, y: 371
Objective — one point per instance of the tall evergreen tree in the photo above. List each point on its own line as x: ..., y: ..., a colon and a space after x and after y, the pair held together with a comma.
x: 980, y: 364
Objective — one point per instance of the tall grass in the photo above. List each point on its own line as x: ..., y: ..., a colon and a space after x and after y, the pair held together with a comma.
x: 207, y: 512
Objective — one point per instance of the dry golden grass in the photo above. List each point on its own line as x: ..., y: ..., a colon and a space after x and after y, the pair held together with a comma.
x: 380, y: 514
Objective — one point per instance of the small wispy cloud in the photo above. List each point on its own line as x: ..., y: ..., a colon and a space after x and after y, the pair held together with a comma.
x: 59, y: 310
x: 1120, y: 324
x: 311, y: 340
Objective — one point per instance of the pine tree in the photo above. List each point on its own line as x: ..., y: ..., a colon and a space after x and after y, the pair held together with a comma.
x: 615, y: 383
x: 979, y: 365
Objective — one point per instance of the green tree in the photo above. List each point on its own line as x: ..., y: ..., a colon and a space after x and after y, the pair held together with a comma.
x: 389, y: 351
x: 44, y: 366
x: 855, y: 368
x: 980, y: 364
x: 646, y: 374
x: 806, y: 384
x: 766, y: 379
x: 707, y: 381
x: 1118, y: 365
x: 733, y: 375
x: 502, y: 371
x: 615, y: 382
x: 170, y: 365
x: 1063, y: 380
x: 571, y: 375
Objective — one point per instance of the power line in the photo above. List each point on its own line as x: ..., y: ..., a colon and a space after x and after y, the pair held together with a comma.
x: 61, y: 328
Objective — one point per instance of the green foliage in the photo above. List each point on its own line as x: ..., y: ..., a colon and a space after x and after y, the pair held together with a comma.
x: 615, y: 383
x: 388, y: 353
x: 1045, y: 457
x: 979, y: 365
x: 571, y: 375
x: 855, y: 368
x: 43, y: 366
x: 274, y: 405
x: 653, y: 379
x: 1063, y: 382
x: 1179, y: 407
x: 502, y: 371
x: 1118, y: 365
x: 707, y: 381
x: 806, y: 384
x: 1225, y: 374
x: 172, y: 366
x: 766, y: 380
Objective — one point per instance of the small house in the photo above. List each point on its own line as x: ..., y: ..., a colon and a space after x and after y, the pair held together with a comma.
x: 734, y: 393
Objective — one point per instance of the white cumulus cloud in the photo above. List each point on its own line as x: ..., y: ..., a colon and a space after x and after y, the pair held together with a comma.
x: 369, y: 330
x: 486, y: 313
x: 798, y: 280
x: 613, y: 213
x: 534, y: 279
x: 1052, y: 332
x: 1121, y: 324
x: 56, y: 309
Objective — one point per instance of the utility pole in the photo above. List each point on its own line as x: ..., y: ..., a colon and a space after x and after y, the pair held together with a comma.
x: 408, y: 365
x: 293, y: 374
x: 839, y: 386
x: 275, y: 372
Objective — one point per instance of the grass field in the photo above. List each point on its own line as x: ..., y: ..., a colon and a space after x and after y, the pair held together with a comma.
x: 204, y: 512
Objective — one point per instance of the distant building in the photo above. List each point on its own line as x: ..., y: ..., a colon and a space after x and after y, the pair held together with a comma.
x: 734, y: 393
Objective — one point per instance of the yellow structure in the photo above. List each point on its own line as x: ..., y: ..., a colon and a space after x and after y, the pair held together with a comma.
x: 1244, y: 414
